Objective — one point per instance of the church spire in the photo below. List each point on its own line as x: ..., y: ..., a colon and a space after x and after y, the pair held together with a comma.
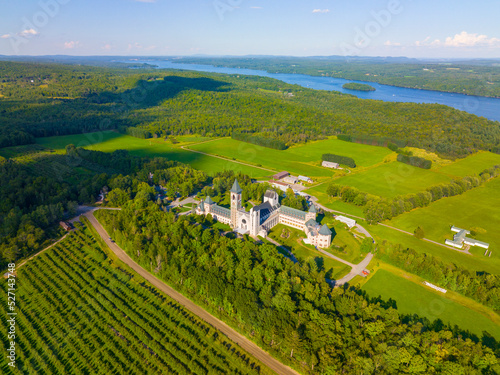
x: 236, y: 187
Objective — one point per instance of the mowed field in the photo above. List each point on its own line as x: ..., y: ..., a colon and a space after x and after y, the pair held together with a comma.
x: 473, y: 164
x: 299, y: 160
x: 412, y: 298
x: 109, y: 141
x: 477, y: 208
x: 393, y: 179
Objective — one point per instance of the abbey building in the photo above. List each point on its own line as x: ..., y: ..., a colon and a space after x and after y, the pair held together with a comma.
x: 260, y: 219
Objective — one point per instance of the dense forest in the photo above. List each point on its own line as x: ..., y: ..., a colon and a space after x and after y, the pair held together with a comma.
x: 358, y: 86
x: 288, y: 308
x: 47, y: 99
x: 474, y: 77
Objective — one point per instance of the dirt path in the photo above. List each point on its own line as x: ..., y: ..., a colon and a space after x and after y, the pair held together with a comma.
x: 42, y: 251
x: 239, y: 339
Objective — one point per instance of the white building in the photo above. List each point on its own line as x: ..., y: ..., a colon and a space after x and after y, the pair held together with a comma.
x: 291, y: 180
x: 459, y: 239
x: 350, y: 222
x: 330, y: 164
x: 260, y: 219
x: 305, y: 179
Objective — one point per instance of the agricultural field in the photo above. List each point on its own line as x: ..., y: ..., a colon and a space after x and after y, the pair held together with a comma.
x: 393, y: 179
x: 447, y: 255
x: 90, y: 315
x: 473, y: 164
x: 477, y: 208
x: 292, y: 239
x: 299, y: 159
x: 109, y: 141
x: 412, y: 298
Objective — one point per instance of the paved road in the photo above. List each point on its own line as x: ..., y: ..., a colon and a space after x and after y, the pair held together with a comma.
x: 356, y: 270
x: 239, y: 339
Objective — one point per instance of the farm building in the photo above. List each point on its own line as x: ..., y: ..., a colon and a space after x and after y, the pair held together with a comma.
x: 305, y: 179
x: 291, y: 180
x: 280, y: 175
x: 350, y: 222
x: 460, y: 239
x: 280, y: 185
x: 330, y: 164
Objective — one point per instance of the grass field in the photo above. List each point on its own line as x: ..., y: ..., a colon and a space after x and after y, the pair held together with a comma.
x: 299, y: 159
x: 412, y: 298
x: 447, y: 255
x: 473, y: 164
x: 109, y: 141
x: 392, y: 179
x: 90, y: 304
x: 303, y: 252
x: 477, y: 208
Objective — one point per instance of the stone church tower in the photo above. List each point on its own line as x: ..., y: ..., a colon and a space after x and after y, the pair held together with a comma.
x: 235, y: 203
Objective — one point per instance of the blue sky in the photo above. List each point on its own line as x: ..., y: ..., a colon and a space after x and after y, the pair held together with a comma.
x: 413, y: 28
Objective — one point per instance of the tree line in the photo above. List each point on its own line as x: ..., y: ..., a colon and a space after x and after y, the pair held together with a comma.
x: 415, y: 161
x: 480, y: 286
x: 260, y: 141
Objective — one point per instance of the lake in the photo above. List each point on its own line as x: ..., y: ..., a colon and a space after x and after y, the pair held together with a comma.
x: 480, y: 106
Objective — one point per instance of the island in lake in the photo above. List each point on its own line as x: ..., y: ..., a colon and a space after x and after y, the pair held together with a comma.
x: 358, y: 86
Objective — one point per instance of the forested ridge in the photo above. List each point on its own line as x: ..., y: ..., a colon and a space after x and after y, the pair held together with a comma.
x: 48, y: 99
x: 287, y: 307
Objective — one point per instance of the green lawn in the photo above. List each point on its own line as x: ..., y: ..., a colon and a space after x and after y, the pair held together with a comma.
x: 344, y: 244
x: 476, y: 208
x: 303, y: 252
x: 392, y: 179
x: 300, y: 159
x: 472, y: 263
x: 109, y: 141
x: 471, y: 165
x: 412, y: 298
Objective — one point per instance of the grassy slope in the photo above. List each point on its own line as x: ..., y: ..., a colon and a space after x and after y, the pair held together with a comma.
x: 109, y: 141
x: 412, y: 298
x: 300, y: 159
x: 392, y: 179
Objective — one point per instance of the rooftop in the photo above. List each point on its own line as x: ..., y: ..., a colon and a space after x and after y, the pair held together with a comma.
x: 236, y: 187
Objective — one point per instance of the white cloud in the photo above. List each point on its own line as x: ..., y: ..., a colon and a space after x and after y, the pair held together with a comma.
x: 106, y: 47
x: 6, y: 36
x: 255, y: 7
x: 71, y: 45
x: 464, y: 39
x: 391, y: 44
x: 321, y: 10
x: 28, y: 32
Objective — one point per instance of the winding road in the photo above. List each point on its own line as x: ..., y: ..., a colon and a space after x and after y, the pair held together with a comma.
x: 236, y: 337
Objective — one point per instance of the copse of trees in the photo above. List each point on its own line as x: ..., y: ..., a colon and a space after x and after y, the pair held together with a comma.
x: 285, y: 307
x: 260, y: 141
x: 345, y: 160
x: 416, y: 161
x: 378, y: 209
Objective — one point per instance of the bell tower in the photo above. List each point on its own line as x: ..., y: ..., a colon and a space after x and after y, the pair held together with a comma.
x: 235, y: 203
